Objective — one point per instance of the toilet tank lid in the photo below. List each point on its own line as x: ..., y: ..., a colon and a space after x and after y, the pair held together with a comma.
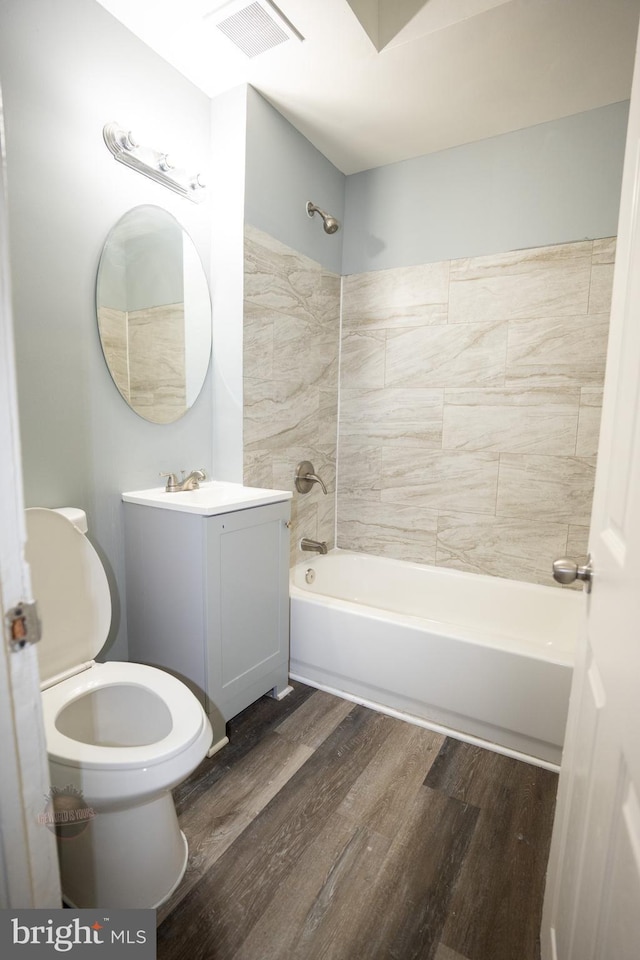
x: 71, y: 589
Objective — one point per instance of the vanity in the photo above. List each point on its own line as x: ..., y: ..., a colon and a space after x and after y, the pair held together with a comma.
x: 207, y: 574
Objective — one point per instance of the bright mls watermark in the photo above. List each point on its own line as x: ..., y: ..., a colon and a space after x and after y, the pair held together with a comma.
x: 66, y: 812
x: 80, y: 933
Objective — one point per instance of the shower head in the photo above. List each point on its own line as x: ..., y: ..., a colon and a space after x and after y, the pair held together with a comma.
x: 330, y: 223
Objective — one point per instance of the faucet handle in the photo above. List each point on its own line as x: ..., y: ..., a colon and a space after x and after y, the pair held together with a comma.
x: 306, y: 477
x: 172, y: 481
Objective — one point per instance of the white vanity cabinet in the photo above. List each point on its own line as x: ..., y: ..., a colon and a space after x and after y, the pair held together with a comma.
x: 208, y: 600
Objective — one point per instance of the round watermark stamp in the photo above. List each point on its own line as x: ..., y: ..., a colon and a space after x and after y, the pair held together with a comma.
x: 66, y: 812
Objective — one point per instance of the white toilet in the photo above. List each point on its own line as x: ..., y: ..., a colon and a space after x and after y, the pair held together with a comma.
x: 119, y: 736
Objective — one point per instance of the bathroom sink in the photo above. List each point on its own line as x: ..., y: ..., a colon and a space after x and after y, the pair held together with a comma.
x: 211, y: 498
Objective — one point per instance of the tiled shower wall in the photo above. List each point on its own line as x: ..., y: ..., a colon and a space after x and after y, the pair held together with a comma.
x: 291, y: 344
x: 470, y: 407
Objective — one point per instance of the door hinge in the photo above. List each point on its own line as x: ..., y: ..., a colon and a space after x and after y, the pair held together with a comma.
x: 23, y: 625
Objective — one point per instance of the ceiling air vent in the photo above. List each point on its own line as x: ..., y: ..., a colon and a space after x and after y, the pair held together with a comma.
x: 254, y: 27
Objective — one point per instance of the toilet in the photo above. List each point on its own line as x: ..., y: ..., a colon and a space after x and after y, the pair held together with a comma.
x: 120, y: 736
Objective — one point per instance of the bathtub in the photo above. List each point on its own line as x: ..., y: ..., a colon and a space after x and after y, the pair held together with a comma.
x: 480, y: 658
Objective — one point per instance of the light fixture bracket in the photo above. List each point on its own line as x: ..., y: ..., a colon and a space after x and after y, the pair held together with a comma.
x: 153, y: 163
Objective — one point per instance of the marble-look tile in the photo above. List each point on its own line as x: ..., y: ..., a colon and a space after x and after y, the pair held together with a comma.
x: 157, y: 343
x: 362, y: 359
x: 279, y: 414
x: 257, y: 357
x: 558, y: 489
x: 112, y: 325
x: 277, y: 277
x: 387, y: 530
x: 516, y: 549
x: 545, y: 281
x: 443, y: 480
x: 258, y: 469
x: 400, y: 296
x: 305, y: 349
x: 558, y: 350
x: 604, y: 251
x: 588, y: 431
x: 577, y: 541
x: 327, y: 435
x: 359, y: 469
x: 511, y: 428
x: 601, y: 288
x: 400, y: 417
x: 327, y: 521
x: 447, y: 356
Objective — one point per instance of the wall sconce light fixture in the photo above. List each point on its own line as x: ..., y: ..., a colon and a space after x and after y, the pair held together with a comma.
x: 152, y: 163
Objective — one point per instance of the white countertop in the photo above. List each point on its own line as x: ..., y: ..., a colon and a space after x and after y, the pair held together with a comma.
x: 213, y: 497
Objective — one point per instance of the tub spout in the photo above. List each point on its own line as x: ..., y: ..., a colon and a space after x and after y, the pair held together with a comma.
x: 317, y: 546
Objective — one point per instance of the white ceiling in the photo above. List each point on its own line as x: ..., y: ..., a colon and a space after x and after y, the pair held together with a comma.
x: 376, y: 81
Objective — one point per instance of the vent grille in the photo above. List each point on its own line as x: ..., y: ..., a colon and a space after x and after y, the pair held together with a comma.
x: 252, y: 30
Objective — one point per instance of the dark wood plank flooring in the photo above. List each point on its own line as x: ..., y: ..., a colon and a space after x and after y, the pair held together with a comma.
x: 325, y: 830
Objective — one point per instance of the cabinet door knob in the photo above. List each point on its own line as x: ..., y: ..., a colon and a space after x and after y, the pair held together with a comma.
x: 287, y: 524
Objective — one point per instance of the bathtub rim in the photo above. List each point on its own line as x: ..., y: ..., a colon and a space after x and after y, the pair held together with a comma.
x: 450, y: 629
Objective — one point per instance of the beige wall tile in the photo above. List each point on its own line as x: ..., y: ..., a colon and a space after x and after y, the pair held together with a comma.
x: 558, y: 351
x: 588, y: 431
x: 402, y: 296
x: 258, y: 342
x: 387, y: 530
x: 601, y: 287
x: 446, y: 356
x: 577, y: 541
x: 279, y: 278
x: 556, y: 489
x: 363, y: 358
x: 305, y: 349
x: 359, y: 469
x: 444, y: 480
x: 604, y: 251
x: 515, y: 549
x: 513, y: 426
x: 400, y: 417
x: 112, y: 324
x: 547, y: 281
x: 279, y: 414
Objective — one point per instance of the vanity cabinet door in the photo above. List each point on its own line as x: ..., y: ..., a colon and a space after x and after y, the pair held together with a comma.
x: 247, y: 605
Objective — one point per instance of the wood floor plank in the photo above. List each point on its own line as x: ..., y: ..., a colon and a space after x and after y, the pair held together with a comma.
x: 318, y: 716
x: 244, y: 732
x: 445, y: 953
x: 218, y: 914
x: 218, y: 817
x: 408, y: 901
x: 496, y: 907
x: 386, y: 787
x: 343, y: 856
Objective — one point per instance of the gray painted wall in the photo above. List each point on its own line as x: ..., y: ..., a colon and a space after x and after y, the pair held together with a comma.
x: 283, y: 171
x: 66, y: 69
x: 552, y: 183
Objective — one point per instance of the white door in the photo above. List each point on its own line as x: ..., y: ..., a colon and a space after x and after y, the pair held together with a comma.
x: 28, y: 859
x: 592, y: 900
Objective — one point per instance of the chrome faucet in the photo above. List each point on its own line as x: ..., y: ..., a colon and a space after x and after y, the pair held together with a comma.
x: 317, y: 546
x: 192, y: 482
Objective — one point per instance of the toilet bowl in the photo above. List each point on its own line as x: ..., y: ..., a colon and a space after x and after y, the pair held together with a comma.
x: 120, y: 736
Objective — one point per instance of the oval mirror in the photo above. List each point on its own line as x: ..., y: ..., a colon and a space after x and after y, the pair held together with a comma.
x: 154, y: 313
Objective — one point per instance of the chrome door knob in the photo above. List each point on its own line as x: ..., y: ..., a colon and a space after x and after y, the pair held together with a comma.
x: 567, y: 571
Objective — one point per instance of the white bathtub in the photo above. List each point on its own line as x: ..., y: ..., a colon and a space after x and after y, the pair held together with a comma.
x: 485, y: 659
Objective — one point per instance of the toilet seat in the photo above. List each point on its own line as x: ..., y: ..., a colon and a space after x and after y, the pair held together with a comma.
x: 187, y: 717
